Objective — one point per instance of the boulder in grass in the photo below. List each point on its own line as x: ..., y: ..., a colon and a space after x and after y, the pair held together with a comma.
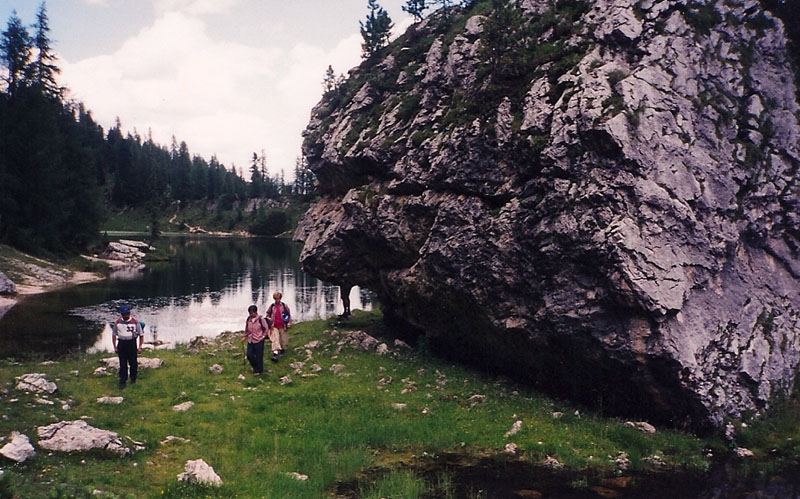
x: 199, y: 472
x: 70, y: 436
x: 36, y: 383
x: 19, y: 449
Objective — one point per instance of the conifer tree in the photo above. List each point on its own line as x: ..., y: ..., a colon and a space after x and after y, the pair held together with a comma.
x: 15, y: 52
x: 44, y: 69
x: 416, y: 8
x: 375, y: 30
x: 329, y: 82
x: 256, y: 179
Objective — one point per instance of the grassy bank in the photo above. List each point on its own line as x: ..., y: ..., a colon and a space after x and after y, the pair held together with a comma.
x: 334, y: 427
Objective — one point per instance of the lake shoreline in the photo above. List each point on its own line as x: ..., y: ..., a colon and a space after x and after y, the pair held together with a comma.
x: 35, y: 275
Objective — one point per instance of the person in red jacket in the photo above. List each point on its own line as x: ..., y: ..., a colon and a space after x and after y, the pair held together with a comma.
x: 280, y: 317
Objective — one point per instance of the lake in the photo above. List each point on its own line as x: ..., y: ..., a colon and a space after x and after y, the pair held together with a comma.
x: 203, y: 290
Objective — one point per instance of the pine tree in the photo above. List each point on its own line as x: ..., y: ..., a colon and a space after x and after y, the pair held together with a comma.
x: 256, y: 179
x: 416, y: 8
x: 329, y: 82
x: 501, y: 36
x: 43, y: 69
x: 15, y: 52
x: 375, y: 30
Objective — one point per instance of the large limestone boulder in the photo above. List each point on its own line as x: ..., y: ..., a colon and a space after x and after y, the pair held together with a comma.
x: 622, y: 228
x: 70, y: 436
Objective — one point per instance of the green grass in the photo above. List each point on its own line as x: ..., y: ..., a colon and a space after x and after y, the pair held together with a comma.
x: 331, y: 427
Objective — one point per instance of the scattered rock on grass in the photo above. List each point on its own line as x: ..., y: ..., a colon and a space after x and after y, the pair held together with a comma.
x: 641, y: 426
x: 399, y: 406
x: 297, y: 476
x: 476, y: 399
x: 552, y: 463
x: 622, y: 461
x: 110, y: 400
x: 19, y: 449
x: 36, y: 383
x: 655, y: 461
x: 68, y: 436
x: 215, y: 369
x: 172, y: 438
x: 511, y: 448
x: 199, y: 472
x: 144, y: 363
x: 183, y: 407
x: 199, y: 343
x: 514, y: 429
x: 285, y: 380
x: 742, y: 452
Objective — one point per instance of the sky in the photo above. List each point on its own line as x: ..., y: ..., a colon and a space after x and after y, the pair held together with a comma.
x: 228, y: 77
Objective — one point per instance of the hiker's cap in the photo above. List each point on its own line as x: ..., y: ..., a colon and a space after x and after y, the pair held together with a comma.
x: 125, y: 309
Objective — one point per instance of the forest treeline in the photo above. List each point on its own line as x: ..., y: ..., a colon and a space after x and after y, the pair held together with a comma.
x: 60, y: 171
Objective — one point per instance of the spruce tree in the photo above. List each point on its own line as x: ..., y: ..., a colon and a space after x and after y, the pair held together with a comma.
x: 15, y: 52
x: 43, y: 69
x: 375, y: 30
x: 416, y: 8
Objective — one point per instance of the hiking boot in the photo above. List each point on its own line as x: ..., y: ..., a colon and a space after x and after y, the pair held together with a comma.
x: 122, y: 386
x: 281, y: 352
x: 274, y: 357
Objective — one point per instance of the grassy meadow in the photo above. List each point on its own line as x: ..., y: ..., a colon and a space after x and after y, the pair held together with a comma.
x: 340, y: 424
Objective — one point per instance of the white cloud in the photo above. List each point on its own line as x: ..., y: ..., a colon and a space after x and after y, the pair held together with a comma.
x: 220, y: 97
x: 193, y: 6
x: 174, y: 79
x: 96, y: 2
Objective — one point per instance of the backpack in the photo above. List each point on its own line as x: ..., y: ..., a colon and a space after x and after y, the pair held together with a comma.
x: 285, y: 315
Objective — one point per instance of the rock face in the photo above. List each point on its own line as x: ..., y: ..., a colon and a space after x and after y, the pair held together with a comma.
x: 610, y: 210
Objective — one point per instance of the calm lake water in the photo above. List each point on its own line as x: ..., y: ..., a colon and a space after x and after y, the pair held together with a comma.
x: 205, y: 289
